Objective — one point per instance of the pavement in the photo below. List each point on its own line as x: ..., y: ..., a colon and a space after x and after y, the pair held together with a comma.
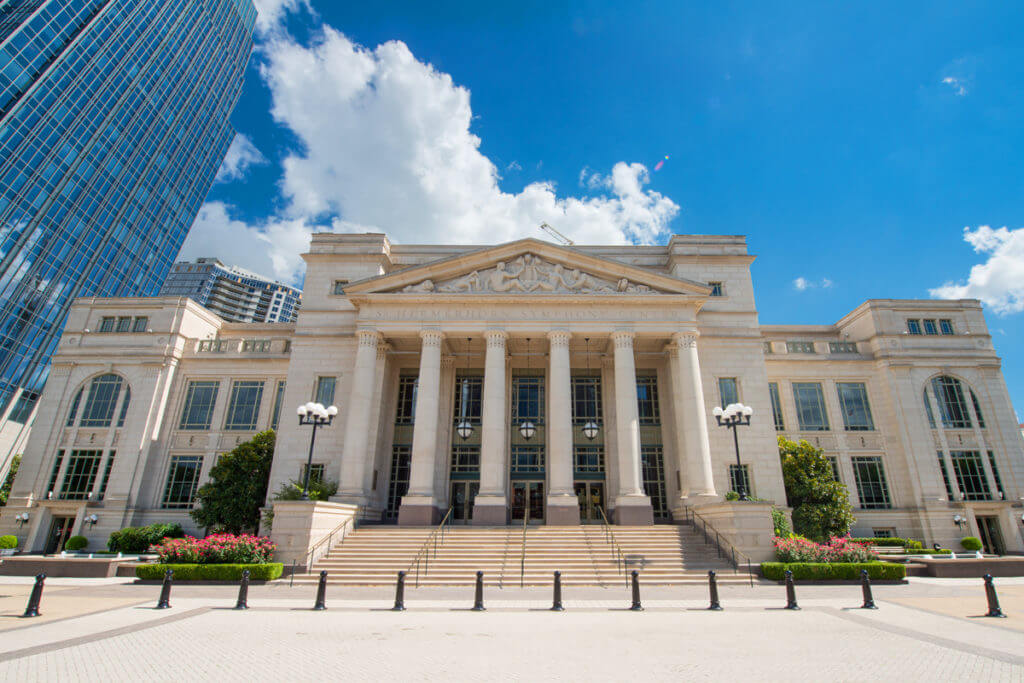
x: 108, y: 629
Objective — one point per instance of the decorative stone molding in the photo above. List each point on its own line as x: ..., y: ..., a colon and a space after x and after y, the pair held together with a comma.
x: 432, y: 337
x: 369, y: 337
x: 559, y: 338
x: 623, y: 339
x: 685, y: 340
x: 496, y: 338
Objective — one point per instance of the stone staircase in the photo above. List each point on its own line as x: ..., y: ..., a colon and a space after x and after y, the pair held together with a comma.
x: 663, y: 554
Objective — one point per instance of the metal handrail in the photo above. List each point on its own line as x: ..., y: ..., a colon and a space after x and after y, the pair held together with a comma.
x: 692, y: 516
x: 424, y: 550
x: 328, y: 539
x: 522, y: 559
x: 617, y: 554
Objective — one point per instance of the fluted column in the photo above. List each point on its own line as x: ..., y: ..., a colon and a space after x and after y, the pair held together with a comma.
x: 419, y: 505
x: 632, y: 505
x: 491, y: 504
x: 695, y: 420
x: 360, y: 409
x: 563, y: 507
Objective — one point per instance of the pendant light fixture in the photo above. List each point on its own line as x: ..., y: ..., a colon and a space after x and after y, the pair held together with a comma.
x: 527, y: 429
x: 590, y: 428
x: 464, y: 428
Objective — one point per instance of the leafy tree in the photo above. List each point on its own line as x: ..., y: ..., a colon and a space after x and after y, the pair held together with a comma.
x: 5, y: 490
x: 319, y: 489
x: 821, y: 505
x: 231, y: 500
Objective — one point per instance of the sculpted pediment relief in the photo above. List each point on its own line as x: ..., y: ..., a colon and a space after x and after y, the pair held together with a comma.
x: 529, y: 274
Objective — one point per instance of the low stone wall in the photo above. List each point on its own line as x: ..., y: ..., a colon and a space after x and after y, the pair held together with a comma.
x: 77, y: 567
x: 747, y: 525
x: 299, y: 525
x: 972, y: 568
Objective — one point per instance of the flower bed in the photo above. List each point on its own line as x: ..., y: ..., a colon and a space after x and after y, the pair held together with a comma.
x: 216, y: 549
x: 798, y: 549
x: 835, y: 571
x: 211, y: 572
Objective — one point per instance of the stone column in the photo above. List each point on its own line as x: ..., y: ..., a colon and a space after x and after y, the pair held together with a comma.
x: 695, y: 421
x: 563, y: 507
x: 354, y: 452
x: 419, y: 505
x: 491, y: 504
x: 632, y: 505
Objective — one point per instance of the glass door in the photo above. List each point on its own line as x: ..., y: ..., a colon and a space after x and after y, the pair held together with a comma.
x: 991, y: 539
x: 528, y: 495
x: 60, y: 531
x: 463, y: 494
x: 590, y: 495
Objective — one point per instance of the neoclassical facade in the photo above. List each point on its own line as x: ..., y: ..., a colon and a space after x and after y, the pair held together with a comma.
x: 527, y: 381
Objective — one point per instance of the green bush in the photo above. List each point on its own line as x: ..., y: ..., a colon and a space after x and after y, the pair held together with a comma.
x: 838, y: 571
x: 889, y: 542
x: 211, y: 572
x: 781, y: 524
x: 8, y: 542
x: 926, y: 551
x: 971, y: 543
x: 138, y: 539
x: 76, y: 543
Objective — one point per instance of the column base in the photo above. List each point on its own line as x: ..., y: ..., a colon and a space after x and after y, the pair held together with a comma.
x: 634, y: 511
x: 418, y: 511
x: 490, y: 510
x: 563, y: 511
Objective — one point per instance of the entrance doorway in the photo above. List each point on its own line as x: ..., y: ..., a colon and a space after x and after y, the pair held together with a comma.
x: 60, y: 531
x: 991, y: 538
x: 590, y: 495
x: 463, y: 494
x: 528, y: 496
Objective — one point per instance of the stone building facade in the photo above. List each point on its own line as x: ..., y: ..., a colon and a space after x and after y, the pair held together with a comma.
x: 528, y: 379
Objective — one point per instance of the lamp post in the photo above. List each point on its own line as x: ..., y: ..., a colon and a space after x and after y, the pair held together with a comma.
x: 732, y: 416
x: 316, y: 415
x: 960, y: 521
x: 21, y: 519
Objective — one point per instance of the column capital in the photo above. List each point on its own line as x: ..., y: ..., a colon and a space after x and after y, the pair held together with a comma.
x: 447, y: 362
x: 559, y: 338
x: 623, y: 339
x: 368, y: 337
x: 685, y: 340
x: 495, y: 338
x: 432, y: 337
x: 382, y: 350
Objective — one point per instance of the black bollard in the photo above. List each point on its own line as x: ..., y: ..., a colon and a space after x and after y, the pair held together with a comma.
x: 790, y: 592
x: 165, y: 591
x: 478, y: 598
x: 399, y: 594
x: 713, y: 588
x: 243, y: 592
x: 556, y: 605
x: 321, y: 593
x: 32, y: 610
x: 993, y: 600
x: 865, y: 587
x: 636, y: 606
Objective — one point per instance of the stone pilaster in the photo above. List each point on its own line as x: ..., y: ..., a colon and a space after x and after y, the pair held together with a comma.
x: 419, y: 505
x: 695, y: 421
x: 563, y: 507
x: 632, y: 505
x: 360, y: 404
x: 491, y: 504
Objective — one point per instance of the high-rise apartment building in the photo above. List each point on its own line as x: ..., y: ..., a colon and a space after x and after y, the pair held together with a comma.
x: 113, y: 123
x: 233, y: 293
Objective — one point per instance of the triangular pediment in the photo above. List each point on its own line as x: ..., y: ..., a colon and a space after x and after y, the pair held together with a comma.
x: 526, y: 267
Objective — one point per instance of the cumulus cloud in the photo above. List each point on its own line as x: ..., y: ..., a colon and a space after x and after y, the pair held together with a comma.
x: 271, y: 13
x: 802, y: 284
x: 999, y: 281
x: 240, y: 156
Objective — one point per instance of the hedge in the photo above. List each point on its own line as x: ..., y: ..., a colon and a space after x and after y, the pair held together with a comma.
x: 139, y: 539
x: 211, y: 572
x: 902, y: 542
x: 8, y: 542
x: 76, y: 543
x: 839, y: 571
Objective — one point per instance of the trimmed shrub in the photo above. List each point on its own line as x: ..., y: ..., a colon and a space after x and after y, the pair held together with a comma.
x: 836, y: 571
x: 217, y: 549
x: 210, y: 572
x: 139, y: 539
x: 799, y: 549
x: 971, y: 543
x: 76, y: 543
x: 8, y: 542
x: 904, y: 542
x: 781, y: 524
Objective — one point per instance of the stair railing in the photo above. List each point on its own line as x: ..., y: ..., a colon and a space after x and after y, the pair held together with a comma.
x: 723, y: 545
x: 522, y: 557
x: 617, y: 554
x: 423, y: 554
x: 324, y: 545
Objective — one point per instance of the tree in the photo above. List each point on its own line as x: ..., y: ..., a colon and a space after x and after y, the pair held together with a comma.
x: 821, y: 505
x: 237, y: 489
x: 5, y: 490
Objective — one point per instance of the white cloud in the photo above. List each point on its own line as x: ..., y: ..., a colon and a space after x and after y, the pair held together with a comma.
x: 270, y: 13
x: 514, y: 166
x: 999, y: 281
x: 826, y: 283
x: 957, y: 84
x: 240, y: 156
x: 802, y: 284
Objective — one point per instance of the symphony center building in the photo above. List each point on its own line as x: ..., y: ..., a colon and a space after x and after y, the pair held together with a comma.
x: 524, y: 380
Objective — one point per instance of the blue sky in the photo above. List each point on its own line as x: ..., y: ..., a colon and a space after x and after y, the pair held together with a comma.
x: 861, y: 147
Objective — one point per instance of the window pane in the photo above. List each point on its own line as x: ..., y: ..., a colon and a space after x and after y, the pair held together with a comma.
x: 466, y: 459
x: 106, y: 475
x: 727, y: 391
x: 773, y: 392
x: 647, y: 400
x: 244, y: 408
x: 125, y: 402
x: 853, y: 399
x: 99, y: 407
x: 952, y: 406
x: 930, y: 327
x: 977, y: 409
x: 946, y: 326
x: 970, y: 475
x: 739, y: 479
x: 124, y: 324
x: 325, y: 391
x: 586, y: 399
x: 200, y: 398
x: 527, y: 400
x: 588, y: 459
x: 182, y: 481
x: 73, y: 413
x: 716, y: 288
x: 275, y: 418
x: 80, y: 475
x: 107, y: 324
x: 914, y: 327
x: 527, y: 460
x: 871, y: 484
x: 469, y: 398
x: 652, y: 468
x: 810, y: 406
x: 140, y: 324
x: 405, y: 413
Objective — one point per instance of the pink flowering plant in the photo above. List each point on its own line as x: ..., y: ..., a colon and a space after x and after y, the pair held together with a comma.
x: 799, y: 549
x: 216, y: 549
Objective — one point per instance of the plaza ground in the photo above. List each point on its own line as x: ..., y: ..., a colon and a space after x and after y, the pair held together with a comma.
x: 94, y: 629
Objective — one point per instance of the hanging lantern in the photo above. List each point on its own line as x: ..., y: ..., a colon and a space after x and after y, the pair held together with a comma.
x: 527, y: 429
x: 591, y: 430
x: 465, y: 428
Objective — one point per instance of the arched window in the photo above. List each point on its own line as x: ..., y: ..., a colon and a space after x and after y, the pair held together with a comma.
x: 102, y: 400
x: 977, y: 409
x: 953, y: 410
x: 124, y: 405
x: 73, y: 413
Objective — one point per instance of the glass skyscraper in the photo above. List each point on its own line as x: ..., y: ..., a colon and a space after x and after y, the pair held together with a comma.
x: 113, y: 123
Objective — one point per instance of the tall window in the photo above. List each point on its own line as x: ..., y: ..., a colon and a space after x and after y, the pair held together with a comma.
x: 773, y: 393
x: 80, y: 474
x: 871, y: 485
x: 647, y: 400
x: 995, y: 474
x: 140, y: 324
x: 946, y: 326
x: 586, y: 399
x: 970, y: 475
x: 325, y: 390
x: 740, y: 476
x: 588, y: 459
x: 55, y: 472
x: 469, y: 398
x: 405, y: 414
x: 73, y: 413
x: 930, y: 327
x: 945, y: 476
x: 952, y: 407
x: 977, y: 409
x: 106, y: 476
x: 652, y: 467
x: 275, y: 416
x: 200, y: 397
x: 124, y: 406
x: 810, y: 406
x: 914, y: 326
x: 398, y: 485
x: 853, y: 400
x: 833, y: 460
x: 244, y: 407
x: 728, y: 391
x: 99, y: 407
x: 527, y: 460
x: 527, y: 400
x: 466, y: 459
x: 182, y: 482
x: 107, y: 323
x: 124, y: 323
